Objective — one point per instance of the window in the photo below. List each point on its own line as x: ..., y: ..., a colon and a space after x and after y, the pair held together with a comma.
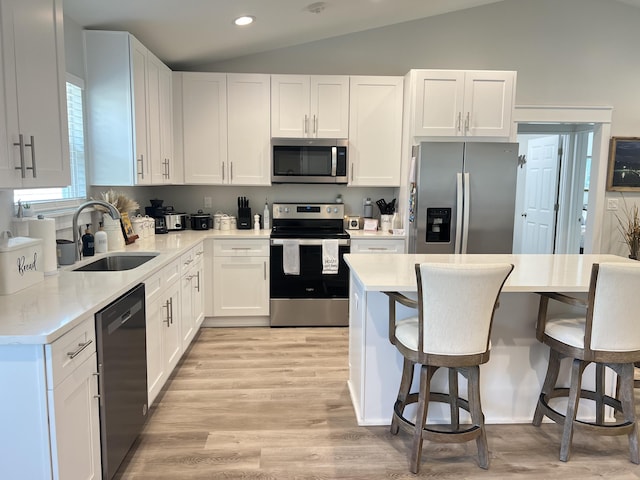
x: 77, y: 191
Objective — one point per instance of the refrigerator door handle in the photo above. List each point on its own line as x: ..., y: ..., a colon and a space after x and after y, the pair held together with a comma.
x: 467, y: 208
x: 459, y: 210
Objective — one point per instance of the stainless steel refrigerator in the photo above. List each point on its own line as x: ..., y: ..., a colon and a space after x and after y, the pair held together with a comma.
x: 464, y: 198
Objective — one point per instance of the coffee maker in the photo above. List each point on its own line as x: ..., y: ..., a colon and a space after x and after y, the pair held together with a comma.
x: 157, y: 212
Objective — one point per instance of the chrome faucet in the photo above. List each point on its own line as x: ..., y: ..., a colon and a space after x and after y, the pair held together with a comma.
x: 113, y: 211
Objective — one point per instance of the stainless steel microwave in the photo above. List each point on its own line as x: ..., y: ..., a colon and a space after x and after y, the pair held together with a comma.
x: 309, y: 160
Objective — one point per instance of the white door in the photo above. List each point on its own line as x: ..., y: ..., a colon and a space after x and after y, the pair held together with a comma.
x: 540, y: 195
x: 329, y: 115
x: 290, y: 106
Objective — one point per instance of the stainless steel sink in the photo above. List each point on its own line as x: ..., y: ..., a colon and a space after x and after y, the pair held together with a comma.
x: 116, y: 263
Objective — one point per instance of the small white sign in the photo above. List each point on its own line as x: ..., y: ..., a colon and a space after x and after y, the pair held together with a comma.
x: 370, y: 224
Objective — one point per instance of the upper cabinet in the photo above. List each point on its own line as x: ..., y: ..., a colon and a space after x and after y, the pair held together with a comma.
x: 223, y: 128
x: 128, y: 111
x: 305, y: 106
x: 458, y: 103
x: 375, y: 131
x: 34, y: 141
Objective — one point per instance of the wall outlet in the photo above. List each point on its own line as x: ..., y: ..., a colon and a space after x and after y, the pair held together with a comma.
x: 208, y: 203
x: 612, y: 204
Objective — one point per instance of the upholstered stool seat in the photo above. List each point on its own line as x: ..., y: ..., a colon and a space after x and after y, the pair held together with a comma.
x: 455, y: 304
x: 606, y: 334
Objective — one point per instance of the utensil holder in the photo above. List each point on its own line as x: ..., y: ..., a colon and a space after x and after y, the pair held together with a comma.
x: 244, y: 218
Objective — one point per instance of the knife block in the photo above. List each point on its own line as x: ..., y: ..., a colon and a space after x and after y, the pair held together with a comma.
x: 244, y: 218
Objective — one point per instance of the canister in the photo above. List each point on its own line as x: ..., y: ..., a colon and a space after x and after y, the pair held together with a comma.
x: 216, y: 220
x: 225, y: 222
x: 21, y: 263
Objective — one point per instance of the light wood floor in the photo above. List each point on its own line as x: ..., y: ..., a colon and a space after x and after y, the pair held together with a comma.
x: 260, y: 403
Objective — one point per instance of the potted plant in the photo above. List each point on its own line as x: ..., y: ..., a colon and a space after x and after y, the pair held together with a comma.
x: 629, y: 227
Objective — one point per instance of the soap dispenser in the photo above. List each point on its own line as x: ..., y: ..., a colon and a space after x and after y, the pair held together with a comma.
x: 88, y: 245
x: 100, y: 240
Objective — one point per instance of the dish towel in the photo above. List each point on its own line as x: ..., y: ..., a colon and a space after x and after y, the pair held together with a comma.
x: 291, y: 257
x: 330, y: 258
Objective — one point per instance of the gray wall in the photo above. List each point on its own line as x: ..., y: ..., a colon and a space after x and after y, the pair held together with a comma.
x: 73, y: 48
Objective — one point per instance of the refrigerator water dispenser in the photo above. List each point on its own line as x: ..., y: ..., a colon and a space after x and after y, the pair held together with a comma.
x: 438, y: 225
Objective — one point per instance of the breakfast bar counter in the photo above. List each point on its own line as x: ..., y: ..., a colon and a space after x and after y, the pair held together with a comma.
x: 510, y: 381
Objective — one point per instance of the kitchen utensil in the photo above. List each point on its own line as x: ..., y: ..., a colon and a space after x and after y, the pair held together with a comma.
x: 174, y: 220
x: 382, y: 205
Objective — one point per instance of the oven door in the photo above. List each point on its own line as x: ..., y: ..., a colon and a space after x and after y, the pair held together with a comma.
x: 311, y: 283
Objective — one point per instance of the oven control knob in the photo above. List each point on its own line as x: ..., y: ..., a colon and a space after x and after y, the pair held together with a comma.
x: 335, y: 209
x: 328, y: 209
x: 286, y: 209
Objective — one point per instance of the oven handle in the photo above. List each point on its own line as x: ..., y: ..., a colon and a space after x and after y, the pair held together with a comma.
x: 309, y: 241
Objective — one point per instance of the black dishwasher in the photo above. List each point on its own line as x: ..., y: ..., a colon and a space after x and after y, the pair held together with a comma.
x: 122, y: 379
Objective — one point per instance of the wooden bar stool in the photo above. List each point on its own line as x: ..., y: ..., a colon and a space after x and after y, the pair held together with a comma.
x: 456, y: 303
x: 608, y: 335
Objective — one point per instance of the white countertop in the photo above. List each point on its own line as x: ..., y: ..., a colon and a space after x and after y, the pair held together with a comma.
x: 45, y: 311
x: 531, y: 273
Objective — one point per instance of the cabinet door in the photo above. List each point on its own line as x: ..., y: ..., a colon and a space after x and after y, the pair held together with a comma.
x: 35, y: 94
x: 140, y: 114
x: 187, y: 322
x: 204, y: 128
x: 240, y: 286
x: 248, y: 134
x: 75, y: 429
x: 172, y: 335
x: 329, y: 107
x: 156, y: 324
x: 488, y: 103
x: 290, y: 106
x: 439, y: 98
x: 375, y: 130
x: 159, y: 108
x: 197, y: 292
x: 166, y: 127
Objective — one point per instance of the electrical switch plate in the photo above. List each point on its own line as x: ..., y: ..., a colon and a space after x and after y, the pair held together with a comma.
x: 207, y: 202
x: 612, y: 204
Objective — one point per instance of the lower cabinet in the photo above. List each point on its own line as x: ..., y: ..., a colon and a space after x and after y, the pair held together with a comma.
x: 240, y: 278
x: 49, y: 412
x: 191, y: 294
x: 164, y: 338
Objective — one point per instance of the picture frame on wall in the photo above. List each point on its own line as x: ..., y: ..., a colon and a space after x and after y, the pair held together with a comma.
x: 624, y: 165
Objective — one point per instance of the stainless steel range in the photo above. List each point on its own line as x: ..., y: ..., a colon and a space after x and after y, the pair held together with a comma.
x: 304, y: 239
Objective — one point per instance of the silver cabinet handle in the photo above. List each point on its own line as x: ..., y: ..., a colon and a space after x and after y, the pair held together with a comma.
x: 306, y: 124
x: 168, y: 321
x: 199, y: 252
x: 197, y: 275
x: 22, y: 167
x: 141, y: 162
x: 32, y: 145
x: 264, y: 265
x: 459, y: 121
x: 222, y: 166
x: 81, y: 347
x: 315, y: 124
x: 231, y: 171
x: 352, y: 172
x: 467, y: 122
x: 171, y: 308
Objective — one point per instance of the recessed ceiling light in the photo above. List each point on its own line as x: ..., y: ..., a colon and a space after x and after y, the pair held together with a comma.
x: 244, y: 20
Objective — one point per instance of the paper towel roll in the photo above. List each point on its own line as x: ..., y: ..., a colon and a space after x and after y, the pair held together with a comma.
x: 45, y: 228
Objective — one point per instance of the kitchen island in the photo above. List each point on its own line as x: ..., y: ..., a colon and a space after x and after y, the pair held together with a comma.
x: 510, y: 381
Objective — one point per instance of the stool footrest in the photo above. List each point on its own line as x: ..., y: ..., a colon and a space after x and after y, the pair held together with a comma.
x: 439, y: 435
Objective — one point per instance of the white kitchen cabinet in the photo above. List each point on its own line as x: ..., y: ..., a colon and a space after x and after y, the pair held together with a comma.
x: 375, y: 131
x: 224, y: 132
x: 34, y: 141
x: 191, y: 294
x: 458, y: 103
x: 160, y: 120
x: 248, y: 129
x: 128, y: 111
x: 377, y: 245
x: 204, y: 127
x: 164, y: 345
x: 50, y: 420
x: 240, y: 278
x: 310, y: 106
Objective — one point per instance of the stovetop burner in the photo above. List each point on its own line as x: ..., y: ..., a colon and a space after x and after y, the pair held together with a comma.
x: 308, y: 220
